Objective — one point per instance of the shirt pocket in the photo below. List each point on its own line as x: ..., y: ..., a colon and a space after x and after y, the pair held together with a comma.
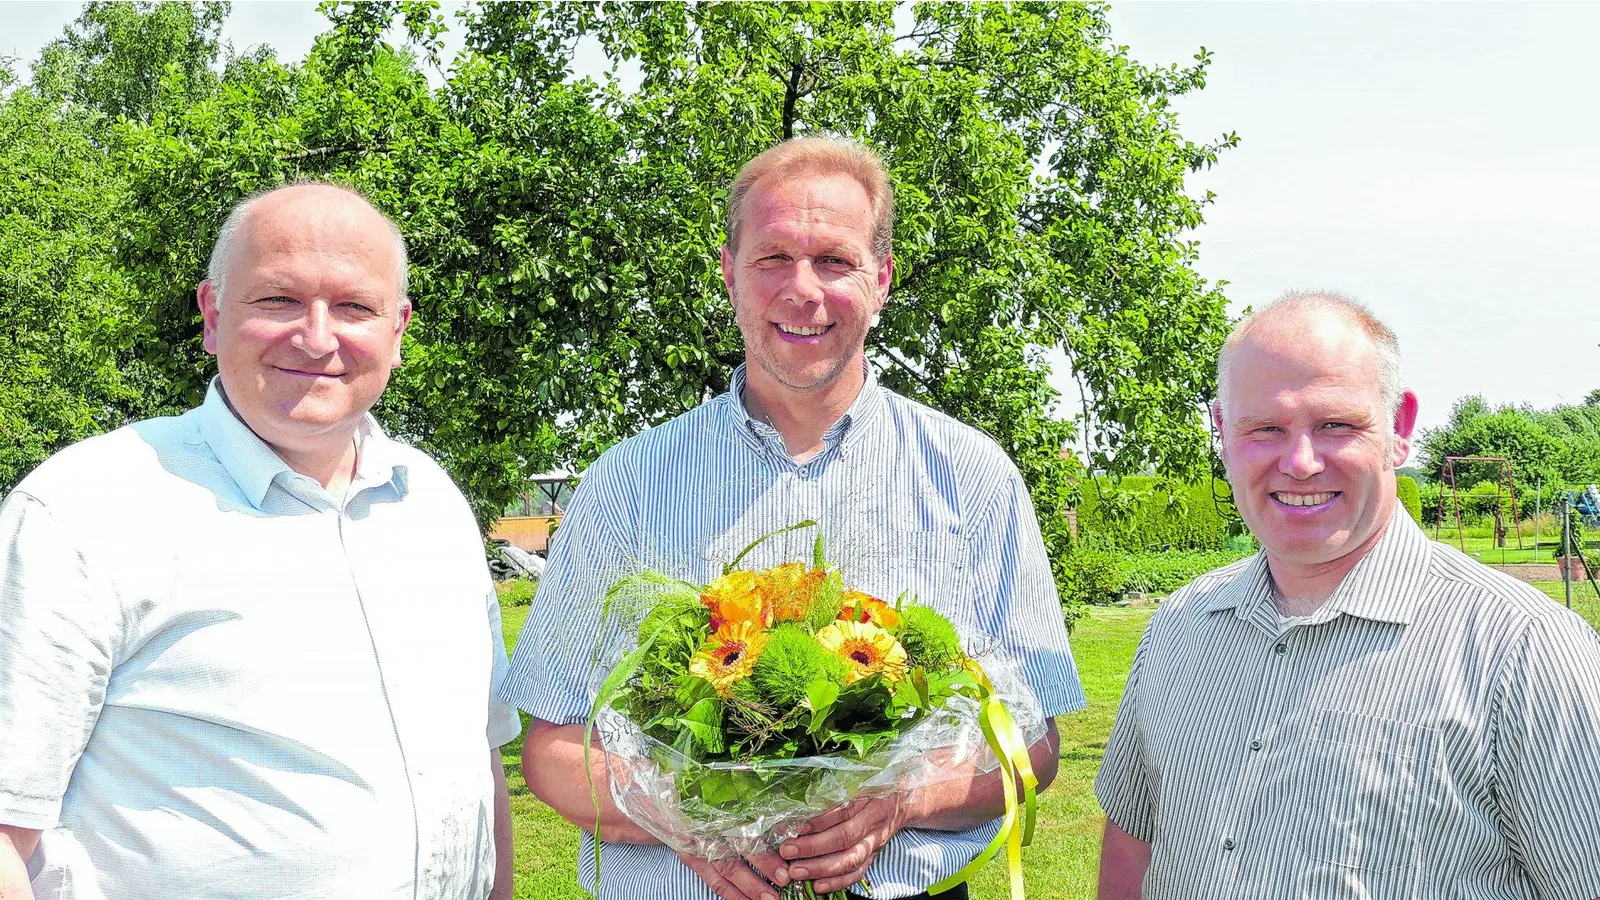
x: 1374, y: 773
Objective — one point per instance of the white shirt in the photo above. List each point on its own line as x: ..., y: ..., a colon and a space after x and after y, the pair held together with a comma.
x: 218, y: 681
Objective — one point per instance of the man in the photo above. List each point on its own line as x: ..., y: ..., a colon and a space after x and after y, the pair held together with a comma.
x: 249, y: 652
x: 906, y: 497
x: 1356, y: 711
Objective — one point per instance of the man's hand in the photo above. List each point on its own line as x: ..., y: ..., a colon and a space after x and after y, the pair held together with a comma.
x: 734, y: 879
x: 16, y: 845
x: 835, y: 849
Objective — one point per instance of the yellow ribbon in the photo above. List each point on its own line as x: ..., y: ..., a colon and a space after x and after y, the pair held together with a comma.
x: 1006, y: 741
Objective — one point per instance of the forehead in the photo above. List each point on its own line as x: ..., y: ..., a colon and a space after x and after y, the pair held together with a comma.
x: 1313, y: 367
x: 309, y: 232
x: 807, y: 207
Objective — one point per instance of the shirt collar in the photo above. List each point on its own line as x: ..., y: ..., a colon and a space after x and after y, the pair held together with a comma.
x: 851, y: 426
x: 254, y: 466
x: 1385, y: 586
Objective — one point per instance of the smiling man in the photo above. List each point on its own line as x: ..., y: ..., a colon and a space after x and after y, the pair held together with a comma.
x: 250, y: 651
x: 1356, y: 711
x: 908, y: 499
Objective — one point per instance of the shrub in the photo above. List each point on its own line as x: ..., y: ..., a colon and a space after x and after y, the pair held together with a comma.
x: 518, y: 592
x: 1410, y: 496
x: 1137, y: 515
x: 1094, y: 576
x: 1163, y: 573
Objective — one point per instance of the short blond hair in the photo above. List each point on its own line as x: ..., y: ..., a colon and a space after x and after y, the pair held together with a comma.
x: 1303, y: 304
x: 819, y: 154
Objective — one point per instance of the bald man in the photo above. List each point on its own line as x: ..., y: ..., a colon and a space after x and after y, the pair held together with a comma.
x: 251, y: 651
x: 1356, y: 711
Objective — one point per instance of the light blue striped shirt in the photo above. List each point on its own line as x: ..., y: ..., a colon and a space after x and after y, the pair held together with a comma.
x: 907, y: 498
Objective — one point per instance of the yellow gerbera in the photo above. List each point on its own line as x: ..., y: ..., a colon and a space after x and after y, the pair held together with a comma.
x: 791, y: 590
x: 729, y: 655
x: 859, y: 607
x: 736, y: 597
x: 866, y: 648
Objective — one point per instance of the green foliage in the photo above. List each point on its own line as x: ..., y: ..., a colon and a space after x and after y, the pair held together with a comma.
x: 790, y: 664
x: 565, y: 232
x: 1410, y: 496
x: 1163, y: 573
x: 1552, y: 447
x: 1105, y: 575
x: 930, y: 640
x: 1142, y: 513
x: 518, y: 592
x: 1096, y: 577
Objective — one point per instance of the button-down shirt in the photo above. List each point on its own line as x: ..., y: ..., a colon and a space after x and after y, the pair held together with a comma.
x: 1432, y: 731
x: 908, y: 499
x: 217, y: 680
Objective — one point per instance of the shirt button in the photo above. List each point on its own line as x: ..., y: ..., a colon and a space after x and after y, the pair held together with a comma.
x: 1281, y: 648
x: 1227, y: 844
x: 1255, y: 745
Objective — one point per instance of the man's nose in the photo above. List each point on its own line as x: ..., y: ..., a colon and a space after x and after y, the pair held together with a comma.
x: 315, y: 337
x: 807, y: 287
x: 1300, y: 459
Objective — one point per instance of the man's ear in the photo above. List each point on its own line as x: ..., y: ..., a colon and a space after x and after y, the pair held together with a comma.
x: 403, y: 319
x: 1405, y: 425
x: 727, y: 273
x: 207, y: 298
x: 1216, y: 416
x: 885, y: 280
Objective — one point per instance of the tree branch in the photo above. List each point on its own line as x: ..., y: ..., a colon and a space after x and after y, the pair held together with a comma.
x: 791, y: 96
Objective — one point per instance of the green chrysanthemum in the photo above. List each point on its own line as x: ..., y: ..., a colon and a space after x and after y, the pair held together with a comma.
x: 791, y: 661
x: 930, y: 640
x: 828, y: 603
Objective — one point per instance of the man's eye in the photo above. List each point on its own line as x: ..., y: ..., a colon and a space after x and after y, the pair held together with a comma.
x: 834, y: 261
x: 358, y: 307
x: 1338, y: 426
x: 277, y: 301
x: 1267, y: 430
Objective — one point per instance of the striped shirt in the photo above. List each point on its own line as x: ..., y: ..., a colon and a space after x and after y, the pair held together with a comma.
x: 907, y: 498
x: 1432, y: 731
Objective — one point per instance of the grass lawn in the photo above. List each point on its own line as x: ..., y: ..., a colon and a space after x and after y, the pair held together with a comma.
x: 1584, y: 602
x: 1062, y: 861
x: 1485, y: 551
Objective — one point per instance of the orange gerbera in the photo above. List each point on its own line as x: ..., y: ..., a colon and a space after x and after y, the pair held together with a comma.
x: 859, y: 607
x: 791, y: 590
x: 866, y: 649
x: 736, y: 597
x: 729, y: 655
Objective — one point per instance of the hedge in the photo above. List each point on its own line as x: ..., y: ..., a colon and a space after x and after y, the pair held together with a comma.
x: 1101, y: 576
x: 1136, y: 516
x: 1405, y: 487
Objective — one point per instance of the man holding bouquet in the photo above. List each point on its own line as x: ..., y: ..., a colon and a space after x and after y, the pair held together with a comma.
x: 927, y: 505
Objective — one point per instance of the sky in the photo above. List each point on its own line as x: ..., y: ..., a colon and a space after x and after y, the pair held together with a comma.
x: 1438, y: 161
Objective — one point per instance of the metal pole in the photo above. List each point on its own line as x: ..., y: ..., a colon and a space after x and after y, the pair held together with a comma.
x: 1536, y: 513
x: 1566, y: 547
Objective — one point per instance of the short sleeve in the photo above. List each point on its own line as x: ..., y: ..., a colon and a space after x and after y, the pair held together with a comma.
x: 504, y: 723
x: 57, y: 639
x: 554, y: 661
x: 1017, y: 596
x: 1547, y: 755
x: 1122, y: 786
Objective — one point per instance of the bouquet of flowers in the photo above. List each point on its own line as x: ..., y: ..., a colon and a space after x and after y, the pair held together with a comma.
x: 763, y: 699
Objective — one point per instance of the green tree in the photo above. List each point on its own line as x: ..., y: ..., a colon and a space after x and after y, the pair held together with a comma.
x: 564, y: 231
x: 114, y: 57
